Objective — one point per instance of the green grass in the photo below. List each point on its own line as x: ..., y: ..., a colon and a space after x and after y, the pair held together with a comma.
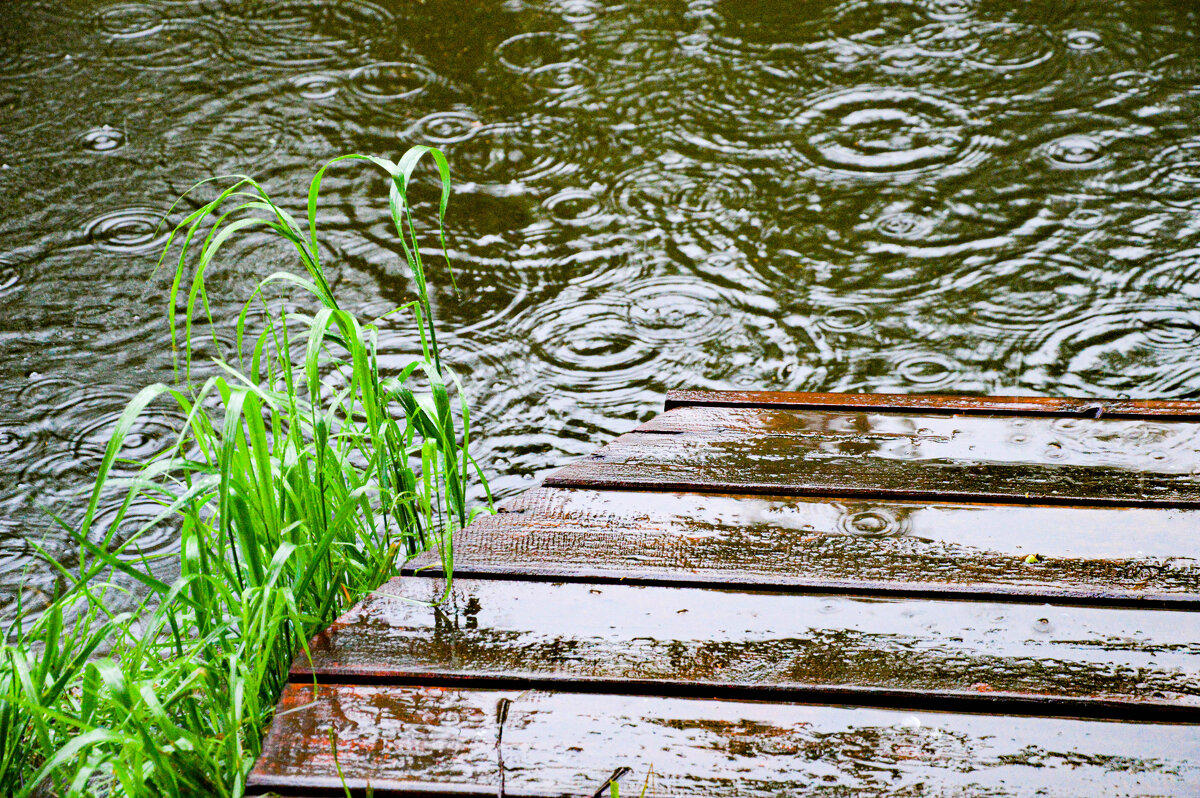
x: 297, y: 483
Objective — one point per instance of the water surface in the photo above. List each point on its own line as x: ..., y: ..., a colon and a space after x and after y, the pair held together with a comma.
x: 945, y: 195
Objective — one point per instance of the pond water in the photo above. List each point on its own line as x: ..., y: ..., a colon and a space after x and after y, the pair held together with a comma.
x: 924, y: 196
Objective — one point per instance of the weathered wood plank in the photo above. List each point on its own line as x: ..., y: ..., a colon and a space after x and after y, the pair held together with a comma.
x: 1160, y: 446
x: 448, y: 742
x: 965, y: 656
x: 1118, y: 556
x: 965, y: 458
x: 936, y: 403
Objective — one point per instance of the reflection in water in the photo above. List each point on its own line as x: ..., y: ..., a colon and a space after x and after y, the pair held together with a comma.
x: 950, y: 195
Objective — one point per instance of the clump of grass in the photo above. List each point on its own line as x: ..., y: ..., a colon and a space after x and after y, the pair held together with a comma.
x: 297, y: 483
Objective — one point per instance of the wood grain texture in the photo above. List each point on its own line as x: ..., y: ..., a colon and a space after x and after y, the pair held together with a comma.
x: 967, y: 458
x: 452, y: 742
x: 1134, y: 443
x: 938, y: 403
x: 1116, y: 556
x: 965, y: 656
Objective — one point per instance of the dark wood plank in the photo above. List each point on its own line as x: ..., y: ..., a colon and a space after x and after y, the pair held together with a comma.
x: 1115, y: 556
x: 964, y: 656
x: 964, y: 458
x: 448, y: 742
x: 936, y: 403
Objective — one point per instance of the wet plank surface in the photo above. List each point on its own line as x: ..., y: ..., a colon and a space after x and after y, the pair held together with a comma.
x: 804, y: 452
x: 432, y: 741
x: 1133, y: 556
x: 762, y: 594
x: 965, y: 655
x: 935, y: 403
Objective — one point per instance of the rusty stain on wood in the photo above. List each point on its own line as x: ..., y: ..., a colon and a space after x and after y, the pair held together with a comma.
x: 759, y: 592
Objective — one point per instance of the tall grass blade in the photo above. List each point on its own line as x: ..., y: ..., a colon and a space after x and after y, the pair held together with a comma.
x: 293, y: 488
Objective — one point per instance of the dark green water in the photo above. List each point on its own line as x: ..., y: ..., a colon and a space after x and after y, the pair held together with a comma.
x: 947, y: 196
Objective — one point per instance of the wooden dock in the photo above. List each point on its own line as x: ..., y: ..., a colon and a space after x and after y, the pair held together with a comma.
x: 771, y: 594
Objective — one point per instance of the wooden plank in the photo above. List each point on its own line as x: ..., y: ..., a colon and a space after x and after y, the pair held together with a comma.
x: 1150, y: 446
x: 448, y: 742
x: 955, y: 655
x: 937, y: 403
x: 1114, y: 556
x: 965, y: 458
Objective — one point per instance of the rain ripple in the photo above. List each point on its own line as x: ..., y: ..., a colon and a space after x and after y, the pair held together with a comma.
x: 575, y: 207
x: 591, y: 342
x: 873, y: 522
x: 1175, y: 175
x: 301, y: 34
x: 1119, y: 347
x: 103, y: 139
x: 318, y: 85
x: 127, y: 230
x: 1027, y: 293
x: 528, y: 52
x: 537, y: 149
x: 130, y: 20
x: 585, y: 344
x: 444, y: 127
x: 668, y: 309
x: 146, y: 36
x: 1076, y: 152
x: 686, y: 198
x: 888, y: 131
x: 390, y: 81
x: 10, y: 275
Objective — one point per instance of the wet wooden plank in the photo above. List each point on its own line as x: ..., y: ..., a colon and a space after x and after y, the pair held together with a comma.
x: 962, y: 458
x: 1150, y: 446
x: 937, y: 403
x: 1115, y: 556
x: 956, y: 655
x: 448, y: 742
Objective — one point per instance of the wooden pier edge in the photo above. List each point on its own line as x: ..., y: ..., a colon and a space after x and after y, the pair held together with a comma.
x: 1014, y: 574
x: 942, y: 404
